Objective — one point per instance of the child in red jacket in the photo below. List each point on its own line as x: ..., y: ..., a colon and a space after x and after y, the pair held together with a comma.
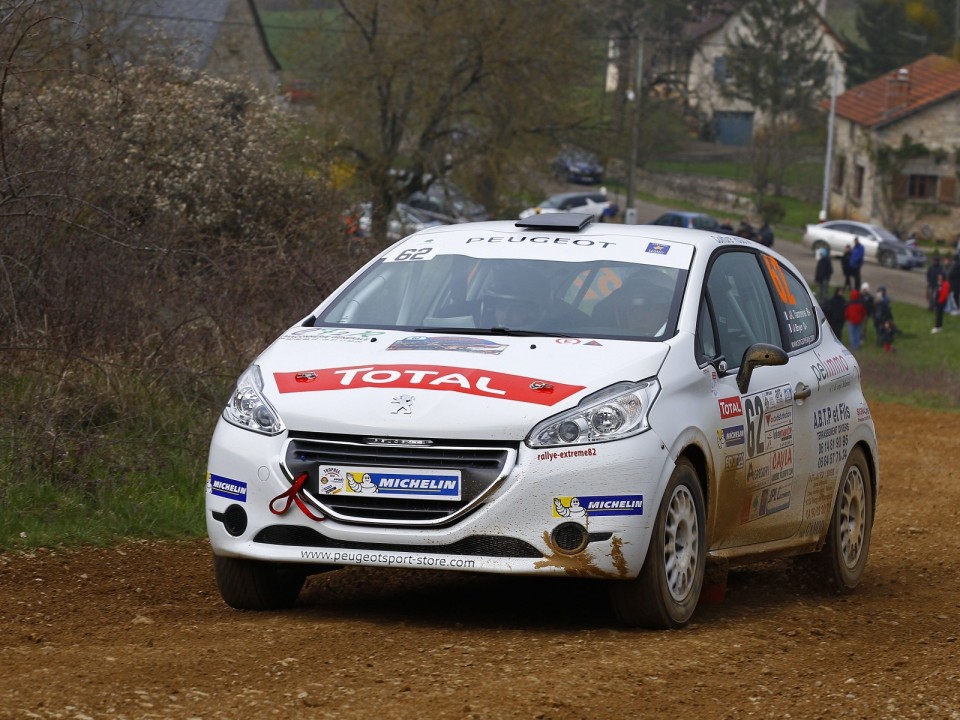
x: 856, y: 315
x: 940, y: 297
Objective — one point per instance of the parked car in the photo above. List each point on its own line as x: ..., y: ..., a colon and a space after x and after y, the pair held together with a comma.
x: 577, y: 165
x: 447, y: 203
x: 685, y: 219
x: 553, y: 396
x: 879, y: 244
x: 594, y: 202
x: 404, y: 220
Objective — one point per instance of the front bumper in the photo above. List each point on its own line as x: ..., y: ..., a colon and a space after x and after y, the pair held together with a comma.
x: 584, y: 511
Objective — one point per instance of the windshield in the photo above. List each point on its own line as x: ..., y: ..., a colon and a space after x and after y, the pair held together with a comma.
x: 885, y: 234
x: 459, y: 293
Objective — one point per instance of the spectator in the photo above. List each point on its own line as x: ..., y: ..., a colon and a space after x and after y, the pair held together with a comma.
x: 933, y: 272
x: 941, y: 294
x: 765, y: 234
x: 867, y: 299
x: 882, y: 312
x: 856, y: 262
x: 885, y: 335
x: 725, y: 226
x: 845, y: 267
x: 953, y: 277
x: 746, y: 230
x: 835, y: 311
x: 856, y: 315
x: 822, y: 274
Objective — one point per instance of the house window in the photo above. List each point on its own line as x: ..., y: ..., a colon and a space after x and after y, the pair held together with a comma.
x: 922, y: 187
x: 858, y: 173
x: 838, y: 173
x: 720, y: 70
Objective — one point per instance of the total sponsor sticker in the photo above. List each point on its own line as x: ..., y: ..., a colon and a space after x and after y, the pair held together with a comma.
x: 470, y: 381
x: 730, y: 407
x: 583, y: 506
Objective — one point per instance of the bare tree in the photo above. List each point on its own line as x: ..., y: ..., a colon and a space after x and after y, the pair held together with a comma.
x: 779, y: 67
x: 431, y: 86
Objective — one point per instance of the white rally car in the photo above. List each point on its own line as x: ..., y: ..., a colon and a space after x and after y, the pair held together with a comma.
x: 549, y: 396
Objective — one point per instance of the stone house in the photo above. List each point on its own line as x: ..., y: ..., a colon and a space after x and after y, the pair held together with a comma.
x: 710, y: 37
x: 896, y: 150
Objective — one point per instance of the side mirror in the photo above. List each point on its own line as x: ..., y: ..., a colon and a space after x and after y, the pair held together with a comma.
x: 757, y: 355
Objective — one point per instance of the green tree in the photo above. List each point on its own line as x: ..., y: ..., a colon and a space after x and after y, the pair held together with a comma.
x: 778, y: 66
x: 894, y: 33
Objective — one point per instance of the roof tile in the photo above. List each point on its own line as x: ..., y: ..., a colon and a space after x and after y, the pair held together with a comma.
x: 900, y: 93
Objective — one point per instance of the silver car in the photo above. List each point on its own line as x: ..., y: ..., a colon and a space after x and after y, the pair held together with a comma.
x: 879, y: 244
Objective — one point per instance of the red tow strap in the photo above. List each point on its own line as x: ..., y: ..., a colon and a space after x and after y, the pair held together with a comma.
x: 293, y: 496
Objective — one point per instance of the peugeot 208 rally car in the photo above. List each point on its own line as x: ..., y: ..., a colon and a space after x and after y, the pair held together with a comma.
x: 549, y: 396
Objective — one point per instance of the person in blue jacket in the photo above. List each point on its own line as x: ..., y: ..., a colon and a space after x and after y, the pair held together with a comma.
x: 856, y: 262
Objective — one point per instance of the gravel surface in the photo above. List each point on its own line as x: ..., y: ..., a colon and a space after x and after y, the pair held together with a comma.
x: 139, y: 631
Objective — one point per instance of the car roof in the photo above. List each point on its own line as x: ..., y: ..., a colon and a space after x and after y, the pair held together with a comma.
x: 576, y: 193
x: 566, y: 224
x: 686, y: 213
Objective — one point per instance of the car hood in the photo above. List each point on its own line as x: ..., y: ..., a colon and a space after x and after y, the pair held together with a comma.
x: 350, y: 381
x: 900, y: 247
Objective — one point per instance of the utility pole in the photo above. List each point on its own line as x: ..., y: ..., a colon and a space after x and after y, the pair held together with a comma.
x: 630, y: 214
x: 828, y: 162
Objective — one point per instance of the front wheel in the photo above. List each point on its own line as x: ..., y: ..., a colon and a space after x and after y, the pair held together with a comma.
x: 256, y: 585
x: 844, y: 555
x: 888, y: 260
x: 666, y: 592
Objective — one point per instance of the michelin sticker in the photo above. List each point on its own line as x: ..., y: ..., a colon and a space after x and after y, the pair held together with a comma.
x: 227, y: 488
x: 391, y: 482
x: 583, y: 506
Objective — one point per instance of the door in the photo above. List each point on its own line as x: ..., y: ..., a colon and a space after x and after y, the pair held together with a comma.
x: 760, y: 432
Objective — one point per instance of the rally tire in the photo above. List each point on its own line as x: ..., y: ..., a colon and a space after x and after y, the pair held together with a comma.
x: 256, y: 585
x: 665, y: 594
x: 843, y: 558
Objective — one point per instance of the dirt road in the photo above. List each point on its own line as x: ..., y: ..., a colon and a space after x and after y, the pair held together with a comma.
x: 139, y: 631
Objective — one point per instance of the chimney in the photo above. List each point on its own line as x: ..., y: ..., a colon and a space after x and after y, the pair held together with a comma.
x: 898, y: 89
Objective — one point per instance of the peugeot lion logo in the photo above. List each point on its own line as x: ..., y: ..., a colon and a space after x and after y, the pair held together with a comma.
x: 403, y: 403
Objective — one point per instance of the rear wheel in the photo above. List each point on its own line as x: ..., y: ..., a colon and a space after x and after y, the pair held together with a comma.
x: 666, y: 592
x: 257, y: 585
x: 843, y: 558
x: 888, y: 260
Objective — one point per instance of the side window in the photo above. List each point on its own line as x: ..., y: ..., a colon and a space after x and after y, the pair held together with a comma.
x: 798, y: 316
x: 742, y: 305
x: 706, y: 345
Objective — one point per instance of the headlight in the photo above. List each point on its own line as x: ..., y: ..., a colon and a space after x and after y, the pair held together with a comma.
x: 614, y: 413
x: 249, y: 409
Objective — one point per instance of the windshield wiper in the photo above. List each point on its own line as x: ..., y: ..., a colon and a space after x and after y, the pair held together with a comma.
x: 496, y: 330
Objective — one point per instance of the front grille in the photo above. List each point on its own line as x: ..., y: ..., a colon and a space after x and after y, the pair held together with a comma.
x: 482, y: 466
x: 473, y: 546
